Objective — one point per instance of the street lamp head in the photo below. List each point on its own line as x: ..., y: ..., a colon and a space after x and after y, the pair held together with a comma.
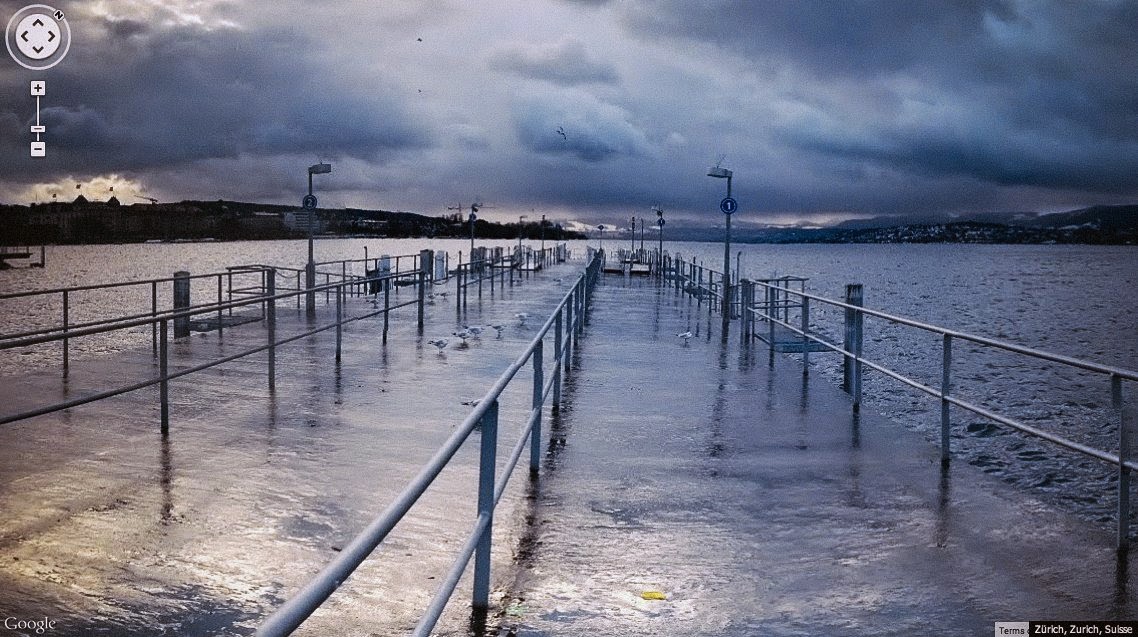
x: 721, y: 173
x: 319, y: 169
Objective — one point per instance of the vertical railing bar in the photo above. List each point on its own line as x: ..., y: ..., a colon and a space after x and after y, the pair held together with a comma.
x: 386, y: 307
x: 220, y: 301
x: 339, y: 318
x: 66, y: 340
x: 538, y: 385
x: 163, y: 374
x: 153, y: 313
x: 558, y: 354
x: 805, y: 339
x: 486, y: 469
x: 945, y: 388
x: 271, y: 318
x: 1123, y: 458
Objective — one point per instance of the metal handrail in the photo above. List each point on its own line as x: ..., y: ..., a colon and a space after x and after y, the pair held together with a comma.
x: 1122, y: 459
x: 302, y: 604
x: 163, y: 321
x: 116, y: 284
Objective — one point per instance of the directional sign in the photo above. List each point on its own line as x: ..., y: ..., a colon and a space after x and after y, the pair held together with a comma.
x: 309, y: 202
x: 660, y: 221
x: 728, y: 205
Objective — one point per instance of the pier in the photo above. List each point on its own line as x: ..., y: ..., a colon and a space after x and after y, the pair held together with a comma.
x: 336, y: 474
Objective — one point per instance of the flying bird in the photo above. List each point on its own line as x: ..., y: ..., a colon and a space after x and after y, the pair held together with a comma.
x: 561, y: 132
x: 418, y: 39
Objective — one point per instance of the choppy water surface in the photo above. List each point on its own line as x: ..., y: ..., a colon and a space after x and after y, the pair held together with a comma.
x: 1072, y: 300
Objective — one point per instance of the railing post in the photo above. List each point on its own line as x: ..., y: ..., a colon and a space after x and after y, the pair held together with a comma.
x: 66, y: 341
x: 271, y: 319
x: 558, y: 354
x: 945, y: 388
x: 1123, y: 470
x: 163, y: 374
x: 486, y: 465
x: 181, y: 302
x: 538, y: 386
x: 805, y: 340
x: 339, y: 319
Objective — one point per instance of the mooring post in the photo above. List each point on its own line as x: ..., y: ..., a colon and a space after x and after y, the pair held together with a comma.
x: 181, y: 302
x: 339, y: 319
x: 805, y: 339
x: 271, y: 320
x: 558, y: 354
x: 219, y: 302
x: 538, y: 386
x: 425, y: 260
x: 486, y: 465
x: 386, y: 306
x: 853, y: 297
x: 163, y: 375
x: 66, y: 341
x: 945, y: 388
x: 153, y: 313
x: 854, y: 322
x: 1123, y: 458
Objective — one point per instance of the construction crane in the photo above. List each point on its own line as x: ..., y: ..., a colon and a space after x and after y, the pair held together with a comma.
x: 474, y: 208
x: 152, y: 200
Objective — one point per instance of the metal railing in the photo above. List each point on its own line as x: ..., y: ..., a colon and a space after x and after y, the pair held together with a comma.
x: 854, y: 362
x: 163, y: 320
x: 566, y: 323
x: 67, y: 330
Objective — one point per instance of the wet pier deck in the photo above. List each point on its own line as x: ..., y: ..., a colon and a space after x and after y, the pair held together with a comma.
x: 753, y: 499
x: 758, y: 504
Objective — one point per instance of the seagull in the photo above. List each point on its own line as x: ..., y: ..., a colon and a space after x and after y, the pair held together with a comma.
x: 440, y: 343
x: 561, y: 132
x: 499, y: 328
x: 521, y: 316
x: 472, y: 403
x: 686, y: 336
x: 475, y: 330
x: 463, y: 334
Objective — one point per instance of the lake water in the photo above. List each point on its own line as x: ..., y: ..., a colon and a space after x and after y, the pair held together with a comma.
x: 1072, y: 300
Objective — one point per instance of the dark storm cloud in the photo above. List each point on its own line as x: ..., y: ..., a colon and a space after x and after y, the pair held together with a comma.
x: 140, y: 98
x: 1020, y: 94
x: 593, y: 131
x: 567, y: 64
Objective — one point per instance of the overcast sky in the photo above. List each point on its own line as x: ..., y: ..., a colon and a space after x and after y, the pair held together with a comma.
x: 823, y: 110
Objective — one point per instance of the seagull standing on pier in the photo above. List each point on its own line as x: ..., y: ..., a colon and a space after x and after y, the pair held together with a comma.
x: 440, y: 343
x: 475, y: 330
x: 521, y: 316
x: 463, y: 334
x: 686, y: 336
x: 499, y: 329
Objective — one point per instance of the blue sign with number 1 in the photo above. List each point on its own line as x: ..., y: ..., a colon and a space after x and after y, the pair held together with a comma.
x: 728, y: 205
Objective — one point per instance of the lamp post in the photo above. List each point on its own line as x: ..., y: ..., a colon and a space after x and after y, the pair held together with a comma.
x: 632, y: 248
x: 602, y: 243
x: 309, y: 204
x: 728, y: 206
x: 543, y: 236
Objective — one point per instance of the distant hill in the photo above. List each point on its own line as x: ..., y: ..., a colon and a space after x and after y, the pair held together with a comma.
x: 1117, y: 225
x: 83, y: 221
